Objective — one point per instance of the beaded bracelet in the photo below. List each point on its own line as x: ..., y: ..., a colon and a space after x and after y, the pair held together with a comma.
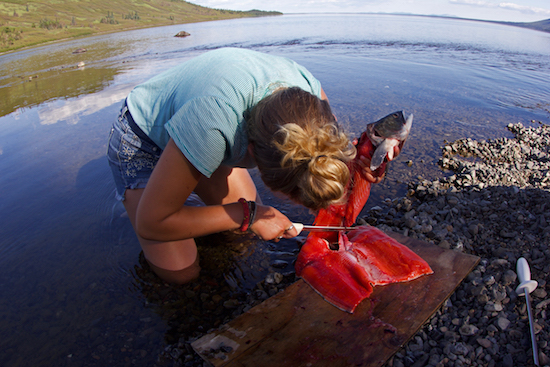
x: 246, y: 217
x: 249, y: 210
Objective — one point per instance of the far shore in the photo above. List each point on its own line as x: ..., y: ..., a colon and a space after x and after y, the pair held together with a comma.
x: 542, y: 26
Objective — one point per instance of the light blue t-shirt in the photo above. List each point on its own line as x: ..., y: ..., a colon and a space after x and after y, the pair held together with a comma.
x: 201, y: 103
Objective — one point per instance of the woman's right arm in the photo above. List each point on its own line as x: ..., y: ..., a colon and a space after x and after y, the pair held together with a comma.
x: 162, y: 215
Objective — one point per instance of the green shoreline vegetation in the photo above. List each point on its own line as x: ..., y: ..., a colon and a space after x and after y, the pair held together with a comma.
x: 25, y: 24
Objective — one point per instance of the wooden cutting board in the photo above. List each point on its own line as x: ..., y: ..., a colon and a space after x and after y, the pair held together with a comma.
x: 298, y: 328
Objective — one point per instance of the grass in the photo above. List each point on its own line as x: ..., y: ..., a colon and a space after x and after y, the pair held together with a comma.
x: 25, y: 24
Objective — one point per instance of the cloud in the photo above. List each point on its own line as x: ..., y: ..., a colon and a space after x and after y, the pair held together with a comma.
x: 507, y: 6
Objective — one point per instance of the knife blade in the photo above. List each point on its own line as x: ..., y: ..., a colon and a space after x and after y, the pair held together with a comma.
x: 311, y: 228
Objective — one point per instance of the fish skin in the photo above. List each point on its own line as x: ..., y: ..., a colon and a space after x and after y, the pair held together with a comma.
x: 346, y: 276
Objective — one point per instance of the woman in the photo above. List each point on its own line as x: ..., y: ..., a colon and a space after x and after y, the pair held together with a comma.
x: 212, y: 118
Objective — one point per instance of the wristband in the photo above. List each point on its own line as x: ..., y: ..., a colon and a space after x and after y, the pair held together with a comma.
x: 246, y: 216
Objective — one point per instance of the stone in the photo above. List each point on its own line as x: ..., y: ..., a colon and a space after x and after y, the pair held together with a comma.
x: 468, y: 330
x: 279, y: 264
x: 493, y: 307
x: 503, y: 323
x: 485, y: 343
x: 182, y: 34
x: 543, y: 304
x: 489, y: 280
x: 508, y: 361
x: 231, y: 303
x: 544, y: 360
x: 274, y: 278
x: 460, y: 349
x: 508, y: 277
x: 539, y: 293
x: 189, y: 293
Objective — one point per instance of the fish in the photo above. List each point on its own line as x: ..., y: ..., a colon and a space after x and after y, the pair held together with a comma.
x: 343, y: 266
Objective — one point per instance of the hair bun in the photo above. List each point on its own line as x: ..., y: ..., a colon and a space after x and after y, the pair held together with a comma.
x: 299, y: 148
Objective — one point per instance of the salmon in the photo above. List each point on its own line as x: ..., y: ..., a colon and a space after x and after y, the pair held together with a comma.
x: 344, y: 267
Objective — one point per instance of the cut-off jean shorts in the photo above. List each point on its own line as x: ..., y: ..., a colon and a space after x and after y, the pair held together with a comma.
x: 132, y: 155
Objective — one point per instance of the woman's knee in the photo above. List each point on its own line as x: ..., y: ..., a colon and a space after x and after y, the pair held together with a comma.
x: 182, y: 276
x: 174, y: 262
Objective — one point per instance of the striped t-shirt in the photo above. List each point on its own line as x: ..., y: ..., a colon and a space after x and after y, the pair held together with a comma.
x: 201, y: 104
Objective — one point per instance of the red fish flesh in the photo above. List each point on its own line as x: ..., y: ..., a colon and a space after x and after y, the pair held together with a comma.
x: 344, y: 268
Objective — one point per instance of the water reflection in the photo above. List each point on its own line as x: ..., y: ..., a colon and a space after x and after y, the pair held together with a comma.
x: 55, y: 72
x: 53, y: 84
x: 72, y: 110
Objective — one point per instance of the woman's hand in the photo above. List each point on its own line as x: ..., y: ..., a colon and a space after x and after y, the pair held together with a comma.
x: 271, y: 224
x: 364, y: 162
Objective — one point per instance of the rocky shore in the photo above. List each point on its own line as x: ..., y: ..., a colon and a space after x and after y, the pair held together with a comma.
x: 495, y: 204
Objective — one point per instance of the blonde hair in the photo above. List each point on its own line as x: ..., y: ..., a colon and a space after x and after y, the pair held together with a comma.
x: 299, y: 148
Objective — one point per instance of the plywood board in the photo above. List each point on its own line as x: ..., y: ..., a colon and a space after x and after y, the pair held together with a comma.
x: 298, y: 328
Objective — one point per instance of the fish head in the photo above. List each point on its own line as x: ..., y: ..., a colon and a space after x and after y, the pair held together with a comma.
x: 386, y: 133
x: 392, y: 126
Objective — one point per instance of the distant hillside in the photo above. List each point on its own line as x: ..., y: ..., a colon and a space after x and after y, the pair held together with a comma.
x: 542, y: 25
x: 24, y: 23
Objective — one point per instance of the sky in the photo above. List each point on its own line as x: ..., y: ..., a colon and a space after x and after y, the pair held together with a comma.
x: 512, y: 11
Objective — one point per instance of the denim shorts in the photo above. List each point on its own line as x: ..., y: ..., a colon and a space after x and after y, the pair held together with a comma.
x: 131, y: 154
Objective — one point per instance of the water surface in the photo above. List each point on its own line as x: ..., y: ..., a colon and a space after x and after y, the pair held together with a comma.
x: 67, y: 251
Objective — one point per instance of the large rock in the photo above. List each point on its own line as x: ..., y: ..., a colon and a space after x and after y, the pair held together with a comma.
x: 182, y: 34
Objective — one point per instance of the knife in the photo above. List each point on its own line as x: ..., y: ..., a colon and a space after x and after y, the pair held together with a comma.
x: 309, y: 228
x: 525, y: 287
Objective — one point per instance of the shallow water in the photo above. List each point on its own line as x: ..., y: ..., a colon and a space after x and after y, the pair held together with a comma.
x: 67, y: 251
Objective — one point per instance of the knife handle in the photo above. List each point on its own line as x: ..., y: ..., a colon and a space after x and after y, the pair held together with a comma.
x: 299, y: 227
x: 524, y: 276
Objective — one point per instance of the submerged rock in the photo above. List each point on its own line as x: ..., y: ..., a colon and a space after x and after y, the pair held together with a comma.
x: 182, y: 34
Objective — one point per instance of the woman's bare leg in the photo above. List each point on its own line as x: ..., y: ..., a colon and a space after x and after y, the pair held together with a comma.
x: 177, y: 261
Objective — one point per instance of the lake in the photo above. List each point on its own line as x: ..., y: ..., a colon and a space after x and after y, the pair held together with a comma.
x: 67, y: 251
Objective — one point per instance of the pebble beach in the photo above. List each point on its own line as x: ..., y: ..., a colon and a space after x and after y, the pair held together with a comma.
x: 494, y: 204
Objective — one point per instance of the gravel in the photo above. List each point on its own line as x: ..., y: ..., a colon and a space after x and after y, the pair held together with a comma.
x: 494, y: 203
